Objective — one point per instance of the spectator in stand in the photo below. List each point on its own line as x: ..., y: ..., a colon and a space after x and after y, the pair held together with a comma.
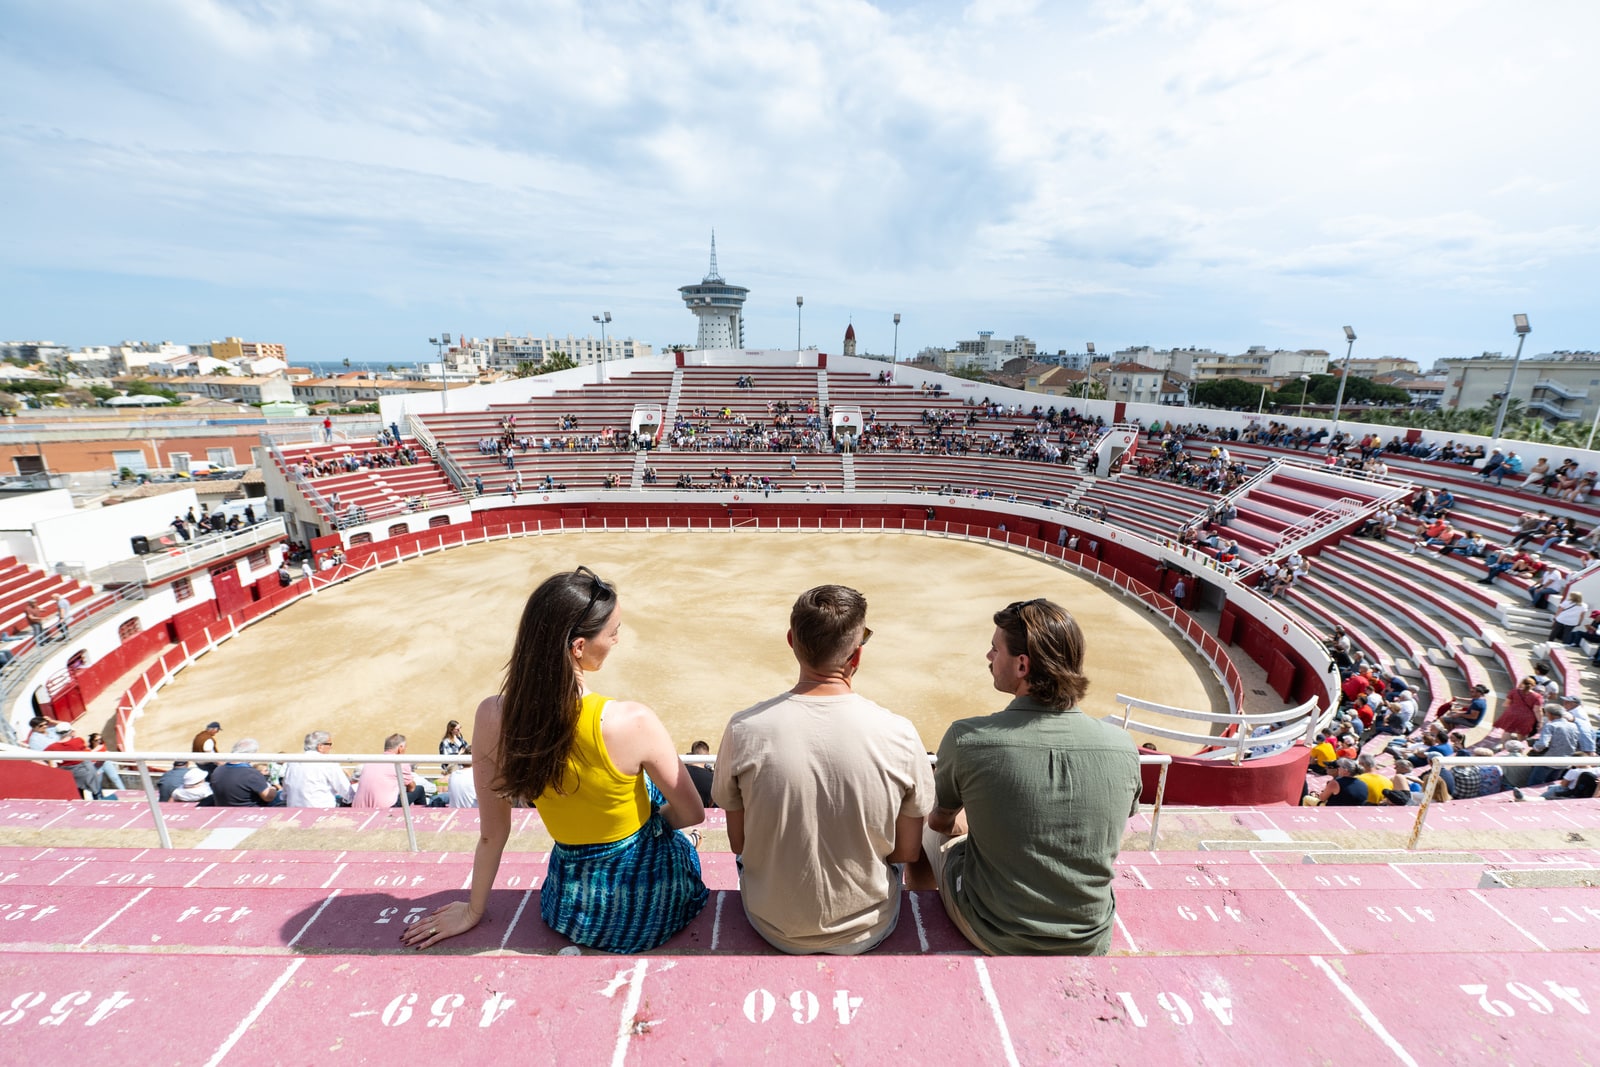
x: 454, y: 743
x: 701, y: 774
x: 316, y: 785
x: 1472, y: 546
x: 1573, y: 705
x: 37, y: 616
x: 1344, y: 789
x: 85, y: 775
x: 173, y: 779
x: 193, y: 788
x: 461, y: 790
x: 110, y: 776
x: 1324, y: 754
x: 238, y: 784
x: 1470, y: 715
x: 1491, y: 464
x: 1520, y: 717
x: 1557, y: 737
x: 44, y: 731
x: 1536, y: 473
x: 1570, y: 612
x: 378, y: 783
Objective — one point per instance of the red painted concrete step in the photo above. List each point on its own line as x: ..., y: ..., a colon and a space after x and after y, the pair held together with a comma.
x: 322, y: 1009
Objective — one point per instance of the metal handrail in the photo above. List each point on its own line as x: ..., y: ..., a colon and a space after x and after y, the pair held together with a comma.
x: 142, y: 761
x: 1440, y: 762
x: 1298, y: 723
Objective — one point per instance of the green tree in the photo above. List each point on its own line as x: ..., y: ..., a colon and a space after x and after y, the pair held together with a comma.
x: 102, y: 392
x: 553, y: 362
x: 140, y: 387
x: 1226, y: 393
x: 970, y: 373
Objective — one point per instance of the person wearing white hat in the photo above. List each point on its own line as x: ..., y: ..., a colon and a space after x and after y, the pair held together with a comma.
x: 195, y: 786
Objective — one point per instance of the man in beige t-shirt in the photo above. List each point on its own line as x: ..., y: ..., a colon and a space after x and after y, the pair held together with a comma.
x: 824, y: 791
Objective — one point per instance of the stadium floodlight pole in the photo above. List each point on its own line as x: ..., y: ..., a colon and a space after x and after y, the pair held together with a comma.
x: 1305, y: 380
x: 441, y: 343
x: 1344, y: 376
x: 896, y: 357
x: 1088, y: 347
x: 799, y: 302
x: 1593, y: 426
x: 1263, y: 401
x: 602, y: 318
x: 1523, y: 329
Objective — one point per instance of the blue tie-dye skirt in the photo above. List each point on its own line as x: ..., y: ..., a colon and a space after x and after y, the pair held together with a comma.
x: 624, y: 896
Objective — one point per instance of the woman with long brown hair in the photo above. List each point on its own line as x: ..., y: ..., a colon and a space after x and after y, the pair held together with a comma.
x: 621, y: 876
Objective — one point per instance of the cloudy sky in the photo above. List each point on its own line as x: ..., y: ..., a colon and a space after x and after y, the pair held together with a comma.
x: 352, y: 177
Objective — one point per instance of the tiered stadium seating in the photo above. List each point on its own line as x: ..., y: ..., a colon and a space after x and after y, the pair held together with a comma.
x: 21, y: 582
x: 375, y: 492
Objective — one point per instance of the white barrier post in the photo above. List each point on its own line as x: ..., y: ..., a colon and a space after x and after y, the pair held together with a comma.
x: 154, y: 800
x: 1155, y: 815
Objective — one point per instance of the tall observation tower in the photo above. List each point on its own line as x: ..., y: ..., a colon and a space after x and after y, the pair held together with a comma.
x: 718, y: 306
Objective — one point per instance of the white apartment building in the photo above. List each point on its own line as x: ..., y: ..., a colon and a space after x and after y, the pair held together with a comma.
x: 1556, y: 386
x: 995, y: 351
x: 507, y: 352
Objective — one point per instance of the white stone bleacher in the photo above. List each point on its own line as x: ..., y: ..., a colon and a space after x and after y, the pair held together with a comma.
x: 716, y: 388
x: 887, y: 470
x: 1367, y: 580
x: 1489, y: 509
x: 821, y: 469
x: 1152, y: 507
x: 1401, y: 646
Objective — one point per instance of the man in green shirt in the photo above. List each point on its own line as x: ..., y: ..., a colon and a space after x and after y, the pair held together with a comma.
x: 1031, y: 801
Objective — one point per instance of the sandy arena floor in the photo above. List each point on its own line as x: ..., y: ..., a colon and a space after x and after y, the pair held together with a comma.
x: 704, y: 618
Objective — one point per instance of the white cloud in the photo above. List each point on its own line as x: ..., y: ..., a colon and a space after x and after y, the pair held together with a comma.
x: 1197, y: 169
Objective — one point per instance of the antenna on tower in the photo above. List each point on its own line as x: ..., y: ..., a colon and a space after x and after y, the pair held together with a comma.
x: 713, y: 276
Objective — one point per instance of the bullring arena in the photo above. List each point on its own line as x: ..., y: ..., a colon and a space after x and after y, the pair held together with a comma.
x: 1241, y: 915
x: 704, y: 616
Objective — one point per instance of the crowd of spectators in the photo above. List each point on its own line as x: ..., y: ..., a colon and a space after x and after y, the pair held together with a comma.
x: 1380, y: 746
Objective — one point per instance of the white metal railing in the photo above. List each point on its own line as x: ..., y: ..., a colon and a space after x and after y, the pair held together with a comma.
x: 441, y: 454
x: 1299, y: 723
x: 1346, y: 509
x: 142, y: 761
x: 162, y: 563
x: 1431, y: 783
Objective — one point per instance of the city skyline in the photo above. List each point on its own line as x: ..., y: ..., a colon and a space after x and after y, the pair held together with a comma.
x: 1166, y: 173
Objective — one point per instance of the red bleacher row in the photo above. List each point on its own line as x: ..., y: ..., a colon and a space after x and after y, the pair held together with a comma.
x: 21, y: 582
x: 1217, y: 955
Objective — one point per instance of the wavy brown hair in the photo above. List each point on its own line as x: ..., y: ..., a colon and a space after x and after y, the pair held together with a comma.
x: 1049, y: 636
x: 543, y: 689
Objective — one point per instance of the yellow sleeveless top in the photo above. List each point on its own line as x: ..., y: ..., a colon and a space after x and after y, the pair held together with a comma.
x: 600, y: 804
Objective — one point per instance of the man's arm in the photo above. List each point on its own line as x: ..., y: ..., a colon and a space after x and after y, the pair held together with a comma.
x: 907, y: 838
x: 736, y: 832
x: 945, y: 821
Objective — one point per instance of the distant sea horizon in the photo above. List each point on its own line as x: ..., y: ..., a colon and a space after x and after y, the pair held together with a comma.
x: 326, y: 367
